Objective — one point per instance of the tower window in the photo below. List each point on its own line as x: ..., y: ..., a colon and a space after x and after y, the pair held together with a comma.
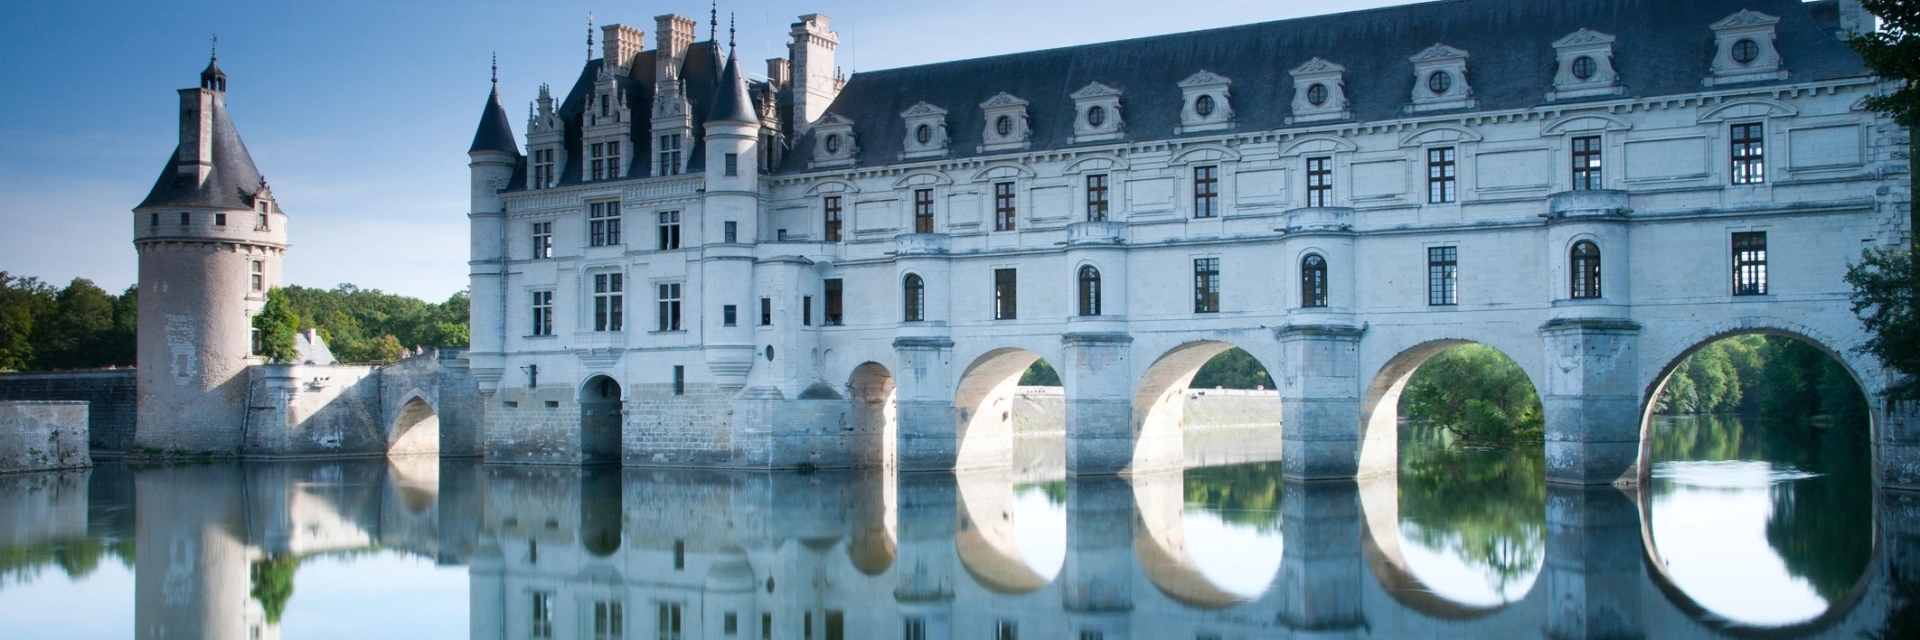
x: 543, y: 313
x: 669, y: 306
x: 603, y: 224
x: 1003, y: 206
x: 730, y: 231
x: 1206, y: 191
x: 806, y: 311
x: 733, y: 164
x: 262, y: 226
x: 835, y: 290
x: 914, y: 294
x: 923, y: 211
x: 1005, y: 295
x: 680, y: 386
x: 1443, y: 273
x: 1586, y: 163
x: 153, y: 219
x: 669, y: 230
x: 259, y: 275
x: 1749, y: 154
x: 1313, y: 281
x: 1089, y: 291
x: 766, y: 312
x: 1206, y: 285
x: 1097, y: 197
x: 670, y: 154
x: 219, y: 219
x: 1584, y: 261
x: 609, y: 301
x: 1440, y: 176
x: 542, y: 240
x: 1319, y: 182
x: 185, y: 218
x: 1750, y: 263
x: 831, y: 204
x: 729, y: 315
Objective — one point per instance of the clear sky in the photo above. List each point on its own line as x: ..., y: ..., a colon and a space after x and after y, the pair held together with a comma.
x: 359, y: 112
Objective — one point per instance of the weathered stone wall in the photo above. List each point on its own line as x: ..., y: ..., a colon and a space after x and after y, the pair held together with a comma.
x: 110, y: 395
x: 43, y: 436
x: 298, y: 410
x: 1043, y: 409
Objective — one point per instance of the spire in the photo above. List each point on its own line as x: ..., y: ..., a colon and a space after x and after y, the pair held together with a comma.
x: 730, y: 101
x: 212, y: 79
x: 589, y: 36
x: 713, y: 22
x: 494, y: 134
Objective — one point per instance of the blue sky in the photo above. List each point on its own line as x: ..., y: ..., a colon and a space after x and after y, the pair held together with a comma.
x: 359, y: 112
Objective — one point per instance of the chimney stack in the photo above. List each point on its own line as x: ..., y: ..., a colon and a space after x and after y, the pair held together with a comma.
x: 620, y: 44
x: 780, y: 71
x: 1855, y: 18
x: 675, y: 34
x: 813, y: 74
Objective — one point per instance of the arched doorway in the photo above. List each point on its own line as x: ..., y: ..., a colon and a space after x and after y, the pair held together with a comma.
x: 872, y: 399
x: 601, y: 415
x: 415, y: 429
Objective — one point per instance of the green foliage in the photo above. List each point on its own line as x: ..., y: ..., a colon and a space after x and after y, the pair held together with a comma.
x: 1477, y: 393
x: 369, y: 326
x: 1780, y: 377
x: 1232, y: 369
x: 1718, y: 378
x: 1489, y: 501
x: 1040, y: 374
x: 76, y: 558
x: 278, y: 328
x: 1246, y: 494
x: 78, y: 327
x: 1886, y: 296
x: 273, y: 584
x: 1894, y: 54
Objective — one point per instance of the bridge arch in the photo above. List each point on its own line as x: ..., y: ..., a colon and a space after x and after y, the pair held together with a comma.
x: 602, y: 414
x: 983, y: 406
x: 872, y: 402
x: 415, y: 428
x: 1159, y: 403
x: 1380, y: 402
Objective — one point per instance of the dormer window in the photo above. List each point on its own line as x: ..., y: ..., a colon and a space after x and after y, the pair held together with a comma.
x: 1203, y: 105
x: 928, y: 127
x: 263, y: 223
x: 1745, y: 49
x: 1096, y: 116
x: 1583, y: 68
x: 1319, y: 92
x: 670, y: 154
x: 923, y: 134
x: 219, y: 219
x: 1442, y: 73
x: 1008, y: 117
x: 1207, y: 107
x: 833, y: 143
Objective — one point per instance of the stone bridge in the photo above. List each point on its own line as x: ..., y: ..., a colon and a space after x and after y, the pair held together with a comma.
x: 422, y: 405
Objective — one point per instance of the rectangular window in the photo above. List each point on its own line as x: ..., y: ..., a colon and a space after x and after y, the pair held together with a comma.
x: 766, y: 312
x: 679, y: 554
x: 543, y: 313
x: 923, y: 211
x: 806, y: 311
x: 609, y: 620
x: 913, y: 629
x: 1206, y: 192
x: 730, y: 623
x: 836, y: 625
x: 730, y: 232
x: 1443, y: 272
x: 186, y: 218
x: 542, y: 168
x: 1097, y: 197
x: 766, y: 626
x: 679, y: 380
x: 603, y: 224
x: 670, y: 306
x: 542, y: 240
x: 1206, y: 285
x: 598, y: 162
x: 670, y: 154
x: 780, y: 235
x: 1750, y: 263
x: 733, y: 164
x: 1319, y: 182
x: 669, y: 230
x: 729, y: 315
x: 670, y: 621
x: 153, y: 219
x: 219, y: 219
x: 613, y: 159
x: 1586, y: 163
x: 609, y: 301
x: 542, y: 614
x: 262, y: 226
x: 834, y: 301
x: 1006, y: 630
x: 1005, y: 294
x: 806, y: 626
x: 1749, y: 154
x: 1003, y: 210
x: 832, y: 207
x: 1440, y: 176
x: 259, y: 275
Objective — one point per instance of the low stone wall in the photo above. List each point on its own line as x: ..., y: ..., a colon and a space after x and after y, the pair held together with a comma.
x: 1221, y: 426
x: 43, y: 436
x: 111, y: 395
x: 1044, y: 409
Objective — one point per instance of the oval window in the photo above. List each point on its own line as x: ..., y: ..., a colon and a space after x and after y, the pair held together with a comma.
x: 1003, y: 126
x: 923, y: 133
x: 1096, y: 116
x: 1317, y: 95
x: 1584, y: 68
x: 1439, y: 82
x: 833, y: 143
x: 769, y: 353
x: 1203, y: 105
x: 1746, y: 51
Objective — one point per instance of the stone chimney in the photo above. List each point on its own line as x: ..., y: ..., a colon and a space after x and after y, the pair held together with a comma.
x: 813, y: 73
x: 620, y: 44
x: 195, y: 161
x: 1855, y: 18
x: 675, y: 34
x: 779, y: 71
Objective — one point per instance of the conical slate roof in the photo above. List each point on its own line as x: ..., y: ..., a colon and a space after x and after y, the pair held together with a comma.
x: 730, y: 100
x: 494, y: 133
x: 231, y: 185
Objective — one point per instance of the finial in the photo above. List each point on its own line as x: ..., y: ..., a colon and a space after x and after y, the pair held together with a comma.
x: 730, y: 23
x: 215, y: 53
x: 496, y: 69
x: 713, y: 22
x: 589, y: 36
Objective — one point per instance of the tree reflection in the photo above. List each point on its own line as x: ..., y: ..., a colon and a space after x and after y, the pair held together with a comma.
x: 1246, y: 494
x: 1489, y: 502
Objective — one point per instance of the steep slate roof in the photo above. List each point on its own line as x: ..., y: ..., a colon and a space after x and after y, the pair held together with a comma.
x: 232, y: 183
x: 730, y: 100
x: 494, y: 134
x: 699, y: 73
x: 1664, y: 48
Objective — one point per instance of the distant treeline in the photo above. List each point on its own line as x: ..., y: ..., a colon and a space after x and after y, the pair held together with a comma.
x: 80, y: 326
x: 370, y: 326
x: 1772, y: 375
x: 1232, y: 369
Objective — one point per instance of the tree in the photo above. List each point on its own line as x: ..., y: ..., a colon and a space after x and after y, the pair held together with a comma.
x: 1232, y: 369
x: 1040, y: 374
x: 1477, y: 393
x: 387, y: 349
x: 1893, y: 53
x: 82, y: 315
x: 1886, y: 297
x: 21, y: 301
x: 278, y: 327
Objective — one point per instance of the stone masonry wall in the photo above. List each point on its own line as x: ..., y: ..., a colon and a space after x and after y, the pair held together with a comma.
x: 43, y: 436
x: 111, y: 396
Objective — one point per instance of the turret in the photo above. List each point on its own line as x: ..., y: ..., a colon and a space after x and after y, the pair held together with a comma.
x: 210, y: 238
x: 491, y: 162
x: 730, y: 219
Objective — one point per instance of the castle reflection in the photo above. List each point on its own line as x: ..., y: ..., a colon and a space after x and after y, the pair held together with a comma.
x: 1458, y: 545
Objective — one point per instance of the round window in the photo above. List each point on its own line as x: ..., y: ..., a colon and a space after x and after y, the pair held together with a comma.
x: 833, y: 143
x: 923, y: 133
x: 1584, y: 68
x: 769, y: 353
x: 1317, y: 95
x: 1003, y: 126
x: 1439, y: 82
x: 1203, y: 105
x: 1746, y: 51
x: 1096, y: 116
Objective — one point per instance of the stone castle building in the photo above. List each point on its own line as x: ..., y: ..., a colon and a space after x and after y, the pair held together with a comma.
x: 686, y: 266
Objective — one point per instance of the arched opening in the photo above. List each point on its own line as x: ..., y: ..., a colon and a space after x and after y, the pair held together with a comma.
x: 601, y: 411
x: 874, y: 428
x: 600, y: 510
x: 1089, y: 290
x: 1464, y: 429
x: 1585, y: 262
x: 1010, y: 410
x: 1210, y: 538
x: 1313, y: 281
x: 913, y: 294
x: 1012, y: 535
x: 416, y: 430
x: 1759, y: 499
x: 1205, y: 403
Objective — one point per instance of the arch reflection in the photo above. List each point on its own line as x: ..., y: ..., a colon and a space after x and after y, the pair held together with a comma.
x: 1010, y: 538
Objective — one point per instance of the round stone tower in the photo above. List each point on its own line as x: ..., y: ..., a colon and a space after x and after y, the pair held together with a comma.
x: 210, y: 239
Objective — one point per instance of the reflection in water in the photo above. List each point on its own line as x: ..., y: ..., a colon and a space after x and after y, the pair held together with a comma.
x: 1764, y: 522
x: 1472, y: 520
x: 1040, y: 526
x: 1232, y: 525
